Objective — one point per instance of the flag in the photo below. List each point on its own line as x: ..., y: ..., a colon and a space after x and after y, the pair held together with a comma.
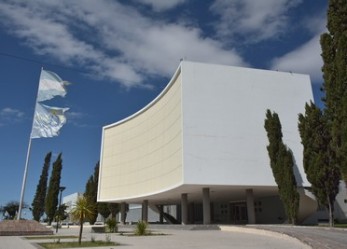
x: 50, y: 85
x: 47, y: 121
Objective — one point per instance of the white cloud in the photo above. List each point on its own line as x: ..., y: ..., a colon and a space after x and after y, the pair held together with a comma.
x: 9, y: 115
x: 10, y: 112
x: 75, y: 118
x: 75, y: 115
x: 159, y: 49
x: 252, y: 21
x: 305, y: 59
x: 315, y: 24
x: 109, y: 39
x: 162, y: 5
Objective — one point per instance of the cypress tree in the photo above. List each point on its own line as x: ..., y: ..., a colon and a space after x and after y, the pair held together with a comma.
x: 334, y: 54
x: 104, y: 210
x: 91, y: 192
x: 319, y: 157
x: 282, y: 162
x: 38, y: 205
x: 53, y: 189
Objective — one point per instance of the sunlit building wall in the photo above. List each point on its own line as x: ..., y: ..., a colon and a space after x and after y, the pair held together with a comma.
x: 203, y: 140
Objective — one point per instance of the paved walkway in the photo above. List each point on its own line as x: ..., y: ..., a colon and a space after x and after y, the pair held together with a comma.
x: 15, y: 242
x: 316, y: 237
x: 182, y: 239
x: 257, y: 237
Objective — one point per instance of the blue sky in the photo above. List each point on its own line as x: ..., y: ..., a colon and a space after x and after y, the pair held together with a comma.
x: 119, y: 55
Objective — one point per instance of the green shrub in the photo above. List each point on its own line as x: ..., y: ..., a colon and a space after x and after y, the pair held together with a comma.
x: 111, y: 225
x: 141, y: 228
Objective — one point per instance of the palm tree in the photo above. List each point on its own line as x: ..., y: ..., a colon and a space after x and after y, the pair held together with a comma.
x: 81, y: 211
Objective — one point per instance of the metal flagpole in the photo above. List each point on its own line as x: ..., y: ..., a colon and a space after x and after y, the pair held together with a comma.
x: 19, y: 215
x: 24, y: 182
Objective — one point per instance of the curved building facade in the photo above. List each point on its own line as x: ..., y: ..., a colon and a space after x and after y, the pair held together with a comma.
x: 201, y: 144
x: 142, y: 155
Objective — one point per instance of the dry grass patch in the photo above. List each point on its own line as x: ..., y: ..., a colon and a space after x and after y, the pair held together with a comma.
x: 75, y: 244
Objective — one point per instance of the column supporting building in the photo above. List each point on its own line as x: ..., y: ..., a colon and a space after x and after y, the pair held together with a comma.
x: 161, y: 214
x: 145, y: 210
x: 184, y: 209
x: 250, y: 206
x: 206, y: 206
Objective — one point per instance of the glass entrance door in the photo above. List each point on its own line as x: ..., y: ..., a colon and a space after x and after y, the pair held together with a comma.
x: 238, y: 213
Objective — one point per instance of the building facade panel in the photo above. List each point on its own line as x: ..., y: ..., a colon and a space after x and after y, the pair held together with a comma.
x: 224, y: 111
x: 143, y: 155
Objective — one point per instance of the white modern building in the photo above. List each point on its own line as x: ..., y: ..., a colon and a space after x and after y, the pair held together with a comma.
x: 201, y: 145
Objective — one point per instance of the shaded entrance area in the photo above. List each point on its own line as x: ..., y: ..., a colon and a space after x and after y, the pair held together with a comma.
x: 213, y: 205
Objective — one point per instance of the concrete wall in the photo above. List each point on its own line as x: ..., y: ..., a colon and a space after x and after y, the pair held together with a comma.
x: 341, y: 203
x: 223, y: 122
x: 135, y: 211
x: 269, y: 210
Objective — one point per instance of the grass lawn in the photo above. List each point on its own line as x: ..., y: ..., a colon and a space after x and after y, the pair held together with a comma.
x: 75, y: 244
x: 132, y: 234
x: 336, y: 225
x: 341, y: 225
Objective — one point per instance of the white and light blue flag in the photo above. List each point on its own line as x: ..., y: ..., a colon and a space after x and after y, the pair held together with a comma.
x: 50, y: 85
x: 48, y: 120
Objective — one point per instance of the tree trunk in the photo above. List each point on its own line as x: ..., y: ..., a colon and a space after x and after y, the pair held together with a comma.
x: 293, y: 221
x: 81, y: 230
x: 331, y: 213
